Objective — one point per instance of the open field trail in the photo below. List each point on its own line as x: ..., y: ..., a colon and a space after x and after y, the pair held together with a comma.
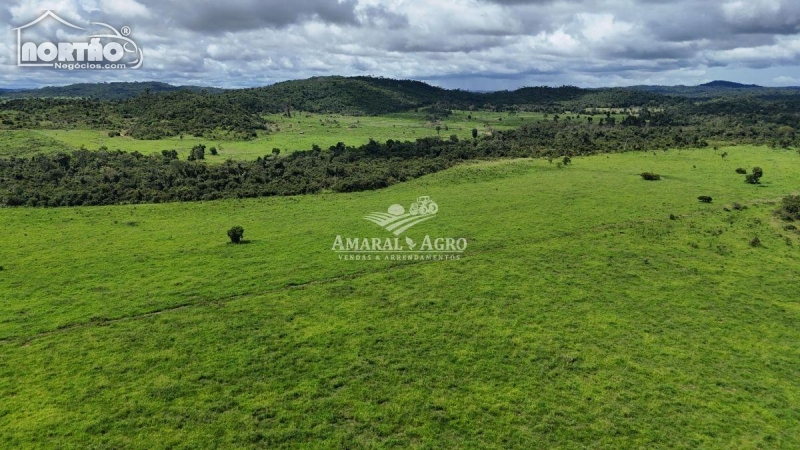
x: 581, y: 314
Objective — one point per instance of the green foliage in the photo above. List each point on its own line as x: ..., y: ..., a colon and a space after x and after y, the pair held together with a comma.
x: 790, y: 208
x: 705, y: 199
x: 213, y: 151
x: 235, y: 234
x: 741, y: 171
x: 198, y: 152
x: 650, y: 176
x: 105, y: 91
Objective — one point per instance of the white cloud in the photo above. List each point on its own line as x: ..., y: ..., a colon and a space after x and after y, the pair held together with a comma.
x: 460, y: 43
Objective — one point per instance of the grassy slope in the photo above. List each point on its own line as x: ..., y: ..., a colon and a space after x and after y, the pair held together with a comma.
x: 25, y: 143
x: 402, y: 126
x: 580, y: 316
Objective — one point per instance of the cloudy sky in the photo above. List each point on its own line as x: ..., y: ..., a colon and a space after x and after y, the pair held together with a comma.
x: 469, y: 44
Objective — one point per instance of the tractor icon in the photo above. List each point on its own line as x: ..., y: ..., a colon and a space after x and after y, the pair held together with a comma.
x: 423, y: 206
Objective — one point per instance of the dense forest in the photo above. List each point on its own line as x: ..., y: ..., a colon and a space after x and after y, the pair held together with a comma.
x: 104, y: 177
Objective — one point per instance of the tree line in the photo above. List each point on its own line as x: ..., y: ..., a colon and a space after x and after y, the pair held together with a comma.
x: 115, y: 177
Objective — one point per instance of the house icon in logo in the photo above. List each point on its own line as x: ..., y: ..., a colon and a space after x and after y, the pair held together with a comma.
x: 31, y: 46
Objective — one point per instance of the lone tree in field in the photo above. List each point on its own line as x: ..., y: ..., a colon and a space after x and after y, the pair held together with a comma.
x: 755, y: 177
x: 236, y: 234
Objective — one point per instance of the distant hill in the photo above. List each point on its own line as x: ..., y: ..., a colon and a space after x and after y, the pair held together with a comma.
x: 729, y: 85
x: 370, y: 95
x: 354, y: 95
x: 718, y: 88
x: 102, y: 91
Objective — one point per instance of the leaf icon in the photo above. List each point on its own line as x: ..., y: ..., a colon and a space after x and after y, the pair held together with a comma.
x: 411, y: 243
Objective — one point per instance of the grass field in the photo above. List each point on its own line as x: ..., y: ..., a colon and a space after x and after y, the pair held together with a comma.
x: 300, y: 132
x: 580, y: 315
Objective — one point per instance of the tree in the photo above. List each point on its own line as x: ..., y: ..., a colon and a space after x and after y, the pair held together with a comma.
x: 567, y: 160
x: 198, y: 152
x: 474, y: 133
x: 235, y: 234
x: 213, y: 151
x: 276, y: 151
x: 705, y: 199
x: 755, y: 177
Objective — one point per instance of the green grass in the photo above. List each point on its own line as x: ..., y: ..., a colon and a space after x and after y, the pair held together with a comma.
x: 300, y: 132
x: 23, y: 143
x: 579, y: 316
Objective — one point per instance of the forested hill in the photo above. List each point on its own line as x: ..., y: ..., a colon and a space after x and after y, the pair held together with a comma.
x: 161, y: 110
x: 369, y: 95
x: 719, y: 88
x: 351, y: 95
x: 102, y: 91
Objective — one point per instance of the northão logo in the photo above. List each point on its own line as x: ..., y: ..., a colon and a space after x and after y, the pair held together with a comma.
x: 108, y: 49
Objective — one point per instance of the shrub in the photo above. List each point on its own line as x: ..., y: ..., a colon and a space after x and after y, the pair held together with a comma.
x: 790, y: 208
x: 567, y: 160
x: 213, y: 151
x: 741, y: 170
x: 755, y: 242
x: 705, y: 199
x: 650, y: 176
x: 739, y: 206
x: 673, y: 217
x: 235, y: 234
